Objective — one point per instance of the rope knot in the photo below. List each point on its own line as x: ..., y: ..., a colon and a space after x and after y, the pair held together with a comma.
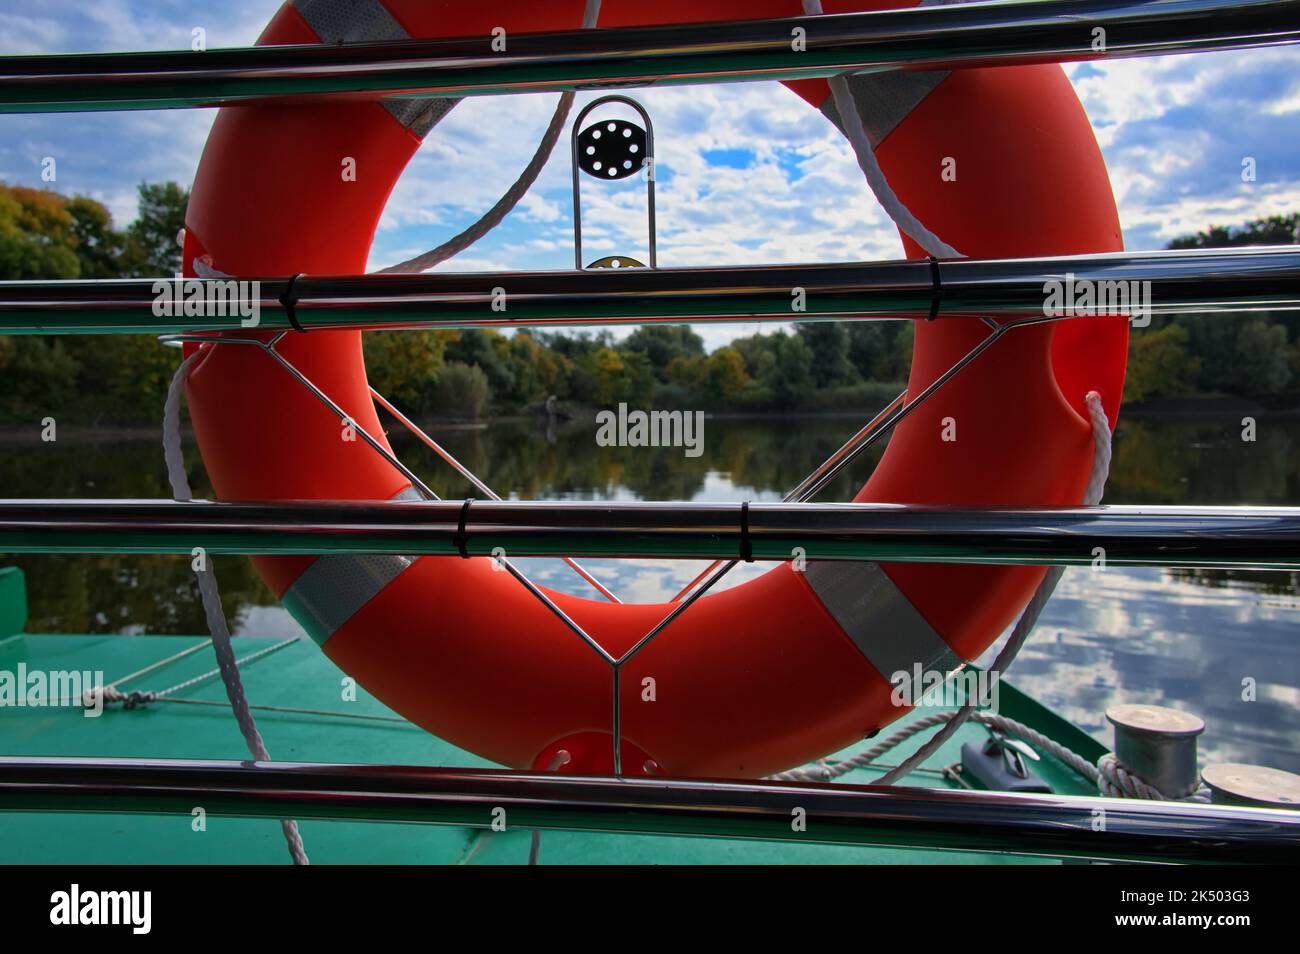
x: 1117, y: 781
x: 138, y: 700
x: 104, y: 696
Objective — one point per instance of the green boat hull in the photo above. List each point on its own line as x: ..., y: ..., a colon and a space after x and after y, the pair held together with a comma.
x: 332, y: 726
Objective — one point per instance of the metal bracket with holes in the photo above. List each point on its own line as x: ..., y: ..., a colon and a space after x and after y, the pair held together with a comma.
x: 610, y: 150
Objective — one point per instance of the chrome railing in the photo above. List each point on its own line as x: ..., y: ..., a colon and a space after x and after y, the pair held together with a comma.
x: 1261, y: 537
x: 1182, y: 282
x: 928, y: 37
x: 932, y: 37
x: 841, y: 814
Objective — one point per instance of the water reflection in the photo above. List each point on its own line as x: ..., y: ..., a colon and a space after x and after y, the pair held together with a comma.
x: 1227, y: 652
x: 1183, y: 637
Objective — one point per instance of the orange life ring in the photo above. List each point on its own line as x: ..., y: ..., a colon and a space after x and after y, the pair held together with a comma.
x: 752, y: 680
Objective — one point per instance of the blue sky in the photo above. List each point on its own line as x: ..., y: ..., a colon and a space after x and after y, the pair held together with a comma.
x: 733, y: 160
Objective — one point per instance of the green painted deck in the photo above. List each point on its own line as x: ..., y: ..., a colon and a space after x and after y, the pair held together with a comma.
x: 338, y: 729
x: 300, y: 676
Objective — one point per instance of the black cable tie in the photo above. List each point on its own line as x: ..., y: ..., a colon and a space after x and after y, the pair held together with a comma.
x: 288, y: 299
x: 461, y: 539
x: 936, y: 289
x: 746, y: 545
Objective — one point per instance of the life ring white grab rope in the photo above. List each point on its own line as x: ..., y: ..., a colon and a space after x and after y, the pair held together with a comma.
x: 894, y: 207
x: 1110, y: 776
x: 1092, y: 496
x: 494, y: 216
x: 210, y: 595
x: 880, y: 187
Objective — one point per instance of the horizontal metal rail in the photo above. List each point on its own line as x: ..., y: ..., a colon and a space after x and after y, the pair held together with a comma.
x: 930, y: 37
x: 1266, y: 278
x: 1263, y: 537
x: 1051, y: 825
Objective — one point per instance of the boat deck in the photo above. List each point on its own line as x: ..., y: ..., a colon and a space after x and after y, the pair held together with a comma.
x: 301, y: 677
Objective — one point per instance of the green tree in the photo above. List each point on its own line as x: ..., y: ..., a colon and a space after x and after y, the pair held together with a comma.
x: 46, y: 235
x: 523, y: 355
x: 1159, y: 364
x: 153, y: 234
x: 726, y: 375
x: 790, y: 376
x: 99, y: 246
x: 662, y: 343
x: 1253, y: 358
x: 403, y: 366
x: 40, y: 378
x: 1272, y: 230
x: 895, y: 364
x: 462, y: 391
x: 38, y: 237
x: 637, y: 384
x: 122, y: 378
x: 478, y: 348
x: 607, y: 368
x: 690, y: 373
x: 868, y: 343
x: 829, y: 343
x: 1260, y: 366
x: 757, y: 351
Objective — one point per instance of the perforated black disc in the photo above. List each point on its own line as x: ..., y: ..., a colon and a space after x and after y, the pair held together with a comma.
x: 611, y: 149
x: 616, y: 261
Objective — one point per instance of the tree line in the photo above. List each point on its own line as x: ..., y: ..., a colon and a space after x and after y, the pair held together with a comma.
x: 46, y: 235
x: 1248, y: 354
x: 89, y: 593
x: 820, y: 366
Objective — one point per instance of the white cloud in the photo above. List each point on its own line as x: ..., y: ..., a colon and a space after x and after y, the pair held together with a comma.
x: 747, y: 173
x: 24, y: 33
x: 1175, y: 131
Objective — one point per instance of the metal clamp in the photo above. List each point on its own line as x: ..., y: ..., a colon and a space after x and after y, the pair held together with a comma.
x: 936, y: 289
x: 746, y: 545
x: 288, y: 299
x: 461, y: 539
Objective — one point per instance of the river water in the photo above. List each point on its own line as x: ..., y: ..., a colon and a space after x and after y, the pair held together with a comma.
x: 1223, y: 643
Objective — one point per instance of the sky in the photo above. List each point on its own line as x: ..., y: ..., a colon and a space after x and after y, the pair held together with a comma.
x: 733, y: 160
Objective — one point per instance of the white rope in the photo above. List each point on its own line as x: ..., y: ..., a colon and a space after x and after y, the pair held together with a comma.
x: 1092, y: 496
x: 503, y: 206
x: 172, y: 440
x: 204, y: 269
x: 826, y: 771
x: 493, y: 217
x: 90, y: 695
x: 211, y: 596
x: 952, y: 721
x: 880, y: 187
x: 111, y: 693
x: 909, y: 225
x: 1109, y: 775
x: 853, y: 129
x: 1115, y: 780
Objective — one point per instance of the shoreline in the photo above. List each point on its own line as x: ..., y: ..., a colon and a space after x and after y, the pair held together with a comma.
x: 1190, y: 408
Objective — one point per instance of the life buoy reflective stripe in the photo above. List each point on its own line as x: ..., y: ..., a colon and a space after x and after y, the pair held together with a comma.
x: 881, y: 621
x: 751, y: 680
x: 332, y: 589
